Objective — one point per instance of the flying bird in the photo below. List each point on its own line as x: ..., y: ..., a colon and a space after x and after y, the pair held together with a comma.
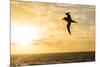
x: 69, y: 20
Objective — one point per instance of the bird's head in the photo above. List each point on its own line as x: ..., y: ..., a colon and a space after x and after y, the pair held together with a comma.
x: 67, y: 13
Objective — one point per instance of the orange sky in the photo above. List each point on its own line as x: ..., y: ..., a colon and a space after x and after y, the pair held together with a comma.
x: 39, y: 28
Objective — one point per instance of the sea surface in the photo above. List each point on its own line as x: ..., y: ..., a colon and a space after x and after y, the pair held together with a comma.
x: 51, y: 58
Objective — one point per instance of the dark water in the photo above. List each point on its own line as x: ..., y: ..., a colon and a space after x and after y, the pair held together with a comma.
x: 52, y: 58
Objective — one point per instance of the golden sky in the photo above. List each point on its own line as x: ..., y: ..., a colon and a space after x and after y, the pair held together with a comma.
x: 38, y: 28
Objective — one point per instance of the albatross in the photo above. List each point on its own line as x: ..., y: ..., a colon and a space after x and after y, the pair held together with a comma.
x: 69, y: 20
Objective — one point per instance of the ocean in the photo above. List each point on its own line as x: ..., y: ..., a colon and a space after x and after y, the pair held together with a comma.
x: 51, y: 58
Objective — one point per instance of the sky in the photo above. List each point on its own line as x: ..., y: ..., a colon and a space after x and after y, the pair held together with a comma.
x: 39, y: 28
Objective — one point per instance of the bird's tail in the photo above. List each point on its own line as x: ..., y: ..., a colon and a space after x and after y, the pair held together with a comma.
x: 68, y: 28
x: 69, y: 32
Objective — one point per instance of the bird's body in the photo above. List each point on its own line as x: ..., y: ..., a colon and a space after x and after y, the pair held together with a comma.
x: 69, y: 20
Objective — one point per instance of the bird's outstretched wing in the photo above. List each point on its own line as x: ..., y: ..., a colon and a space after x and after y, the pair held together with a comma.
x: 73, y: 21
x: 66, y: 19
x: 68, y: 28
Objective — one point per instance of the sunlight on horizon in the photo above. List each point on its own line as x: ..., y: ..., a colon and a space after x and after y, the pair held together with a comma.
x: 24, y: 35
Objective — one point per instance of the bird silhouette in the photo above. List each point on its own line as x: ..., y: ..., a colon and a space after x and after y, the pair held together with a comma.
x: 69, y: 20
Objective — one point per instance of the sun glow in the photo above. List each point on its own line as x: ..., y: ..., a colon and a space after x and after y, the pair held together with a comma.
x: 23, y: 35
